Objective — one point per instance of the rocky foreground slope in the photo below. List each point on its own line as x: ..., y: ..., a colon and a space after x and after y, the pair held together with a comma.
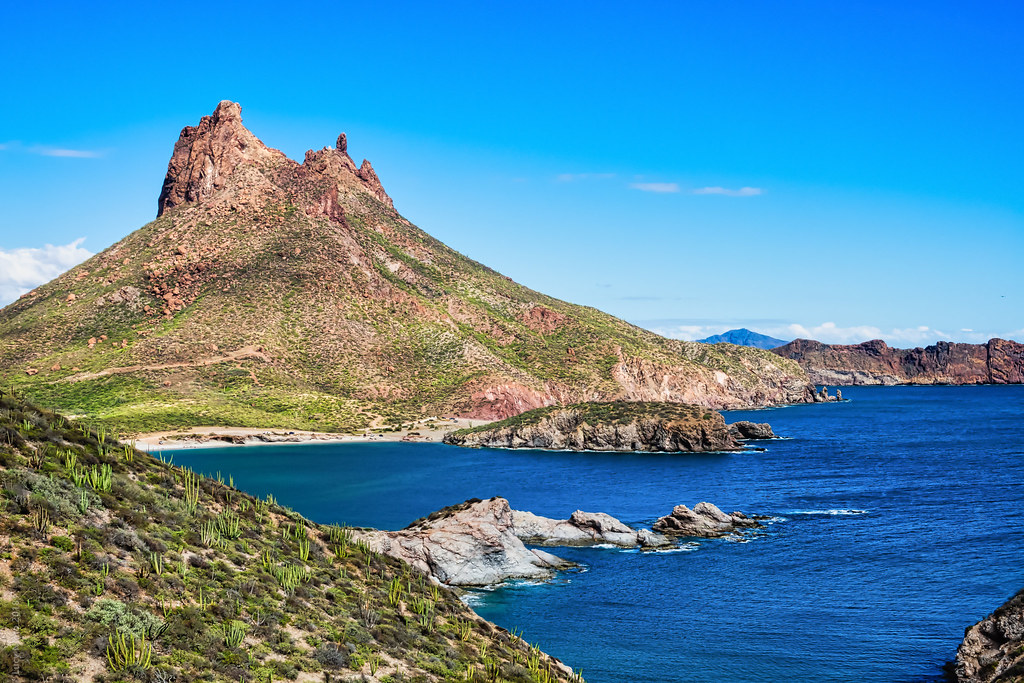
x: 615, y: 426
x: 272, y: 293
x: 998, y: 361
x: 993, y: 649
x: 116, y: 566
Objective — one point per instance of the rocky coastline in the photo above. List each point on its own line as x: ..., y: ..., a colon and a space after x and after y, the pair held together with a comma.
x: 484, y: 542
x: 617, y: 426
x: 997, y: 361
x: 993, y: 649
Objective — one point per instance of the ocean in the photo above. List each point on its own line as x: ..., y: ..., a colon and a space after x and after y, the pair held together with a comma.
x: 896, y: 523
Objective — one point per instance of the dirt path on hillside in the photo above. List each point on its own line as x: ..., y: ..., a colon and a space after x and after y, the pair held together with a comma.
x: 244, y: 353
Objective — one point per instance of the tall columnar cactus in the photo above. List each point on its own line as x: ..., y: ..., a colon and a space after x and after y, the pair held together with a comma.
x: 125, y: 652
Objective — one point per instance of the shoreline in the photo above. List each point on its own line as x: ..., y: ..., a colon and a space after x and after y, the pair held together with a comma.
x: 427, y: 430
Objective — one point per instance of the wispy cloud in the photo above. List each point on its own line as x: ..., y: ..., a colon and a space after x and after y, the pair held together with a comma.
x: 65, y: 153
x: 23, y: 269
x: 574, y: 177
x: 725, y: 191
x: 660, y: 188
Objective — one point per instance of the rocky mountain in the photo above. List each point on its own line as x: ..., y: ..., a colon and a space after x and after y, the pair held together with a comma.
x: 274, y: 293
x: 996, y: 362
x: 121, y: 567
x: 993, y: 649
x: 617, y: 426
x: 744, y: 337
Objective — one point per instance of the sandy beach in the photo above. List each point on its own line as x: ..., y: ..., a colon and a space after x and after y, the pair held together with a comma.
x: 427, y: 430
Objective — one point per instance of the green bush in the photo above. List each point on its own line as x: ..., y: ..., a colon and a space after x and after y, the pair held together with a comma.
x: 118, y: 616
x: 63, y: 543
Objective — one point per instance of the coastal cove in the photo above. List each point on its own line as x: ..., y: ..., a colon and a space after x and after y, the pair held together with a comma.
x: 880, y: 554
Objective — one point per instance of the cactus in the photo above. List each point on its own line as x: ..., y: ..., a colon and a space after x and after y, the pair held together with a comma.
x: 156, y: 563
x: 99, y: 478
x: 191, y: 482
x: 209, y: 534
x: 125, y: 652
x: 234, y: 633
x: 41, y: 522
x: 464, y: 628
x: 395, y: 591
x: 304, y: 549
x: 229, y: 525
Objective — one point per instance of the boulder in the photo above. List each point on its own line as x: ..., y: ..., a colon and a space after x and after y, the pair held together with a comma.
x: 582, y: 528
x: 472, y: 544
x: 483, y: 542
x: 705, y: 521
x: 751, y: 430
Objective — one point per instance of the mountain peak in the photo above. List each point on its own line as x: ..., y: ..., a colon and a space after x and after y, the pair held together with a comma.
x: 744, y: 337
x: 206, y: 156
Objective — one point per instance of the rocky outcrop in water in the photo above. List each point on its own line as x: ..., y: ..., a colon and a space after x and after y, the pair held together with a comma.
x: 619, y: 426
x: 582, y: 528
x: 993, y: 649
x: 483, y: 542
x: 874, y: 362
x: 751, y: 430
x: 705, y: 521
x: 472, y: 544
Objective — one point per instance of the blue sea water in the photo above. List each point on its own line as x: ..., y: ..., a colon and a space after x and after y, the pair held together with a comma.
x: 898, y: 524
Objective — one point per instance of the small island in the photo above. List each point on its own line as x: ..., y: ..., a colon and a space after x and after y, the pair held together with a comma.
x: 613, y: 426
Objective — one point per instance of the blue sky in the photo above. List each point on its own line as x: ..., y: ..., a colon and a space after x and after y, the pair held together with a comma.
x: 835, y: 170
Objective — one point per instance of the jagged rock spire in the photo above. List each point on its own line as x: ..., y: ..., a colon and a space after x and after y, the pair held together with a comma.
x: 207, y: 154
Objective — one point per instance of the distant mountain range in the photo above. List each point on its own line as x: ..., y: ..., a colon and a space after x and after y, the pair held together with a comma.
x: 997, y: 361
x: 745, y: 337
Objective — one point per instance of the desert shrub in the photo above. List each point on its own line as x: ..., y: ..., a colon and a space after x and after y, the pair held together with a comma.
x: 118, y: 616
x: 330, y: 657
x: 63, y: 543
x: 127, y: 539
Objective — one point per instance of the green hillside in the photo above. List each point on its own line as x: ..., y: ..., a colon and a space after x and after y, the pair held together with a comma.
x: 275, y: 294
x: 118, y: 566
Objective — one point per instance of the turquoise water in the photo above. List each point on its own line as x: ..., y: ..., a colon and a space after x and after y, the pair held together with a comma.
x: 899, y: 524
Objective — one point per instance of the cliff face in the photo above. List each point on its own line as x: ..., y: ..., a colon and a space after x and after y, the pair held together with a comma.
x: 273, y: 293
x: 993, y: 649
x: 656, y: 427
x: 996, y: 362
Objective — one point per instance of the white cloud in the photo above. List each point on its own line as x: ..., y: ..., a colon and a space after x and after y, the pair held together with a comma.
x: 741, y: 192
x: 690, y: 332
x: 23, y: 269
x: 573, y: 177
x: 661, y: 188
x: 65, y: 153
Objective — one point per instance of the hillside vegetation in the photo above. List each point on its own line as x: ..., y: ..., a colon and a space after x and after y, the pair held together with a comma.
x: 118, y: 566
x: 275, y: 294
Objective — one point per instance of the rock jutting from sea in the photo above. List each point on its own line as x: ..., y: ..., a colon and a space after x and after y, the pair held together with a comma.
x: 483, y: 542
x: 993, y: 649
x: 705, y: 521
x: 615, y: 426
